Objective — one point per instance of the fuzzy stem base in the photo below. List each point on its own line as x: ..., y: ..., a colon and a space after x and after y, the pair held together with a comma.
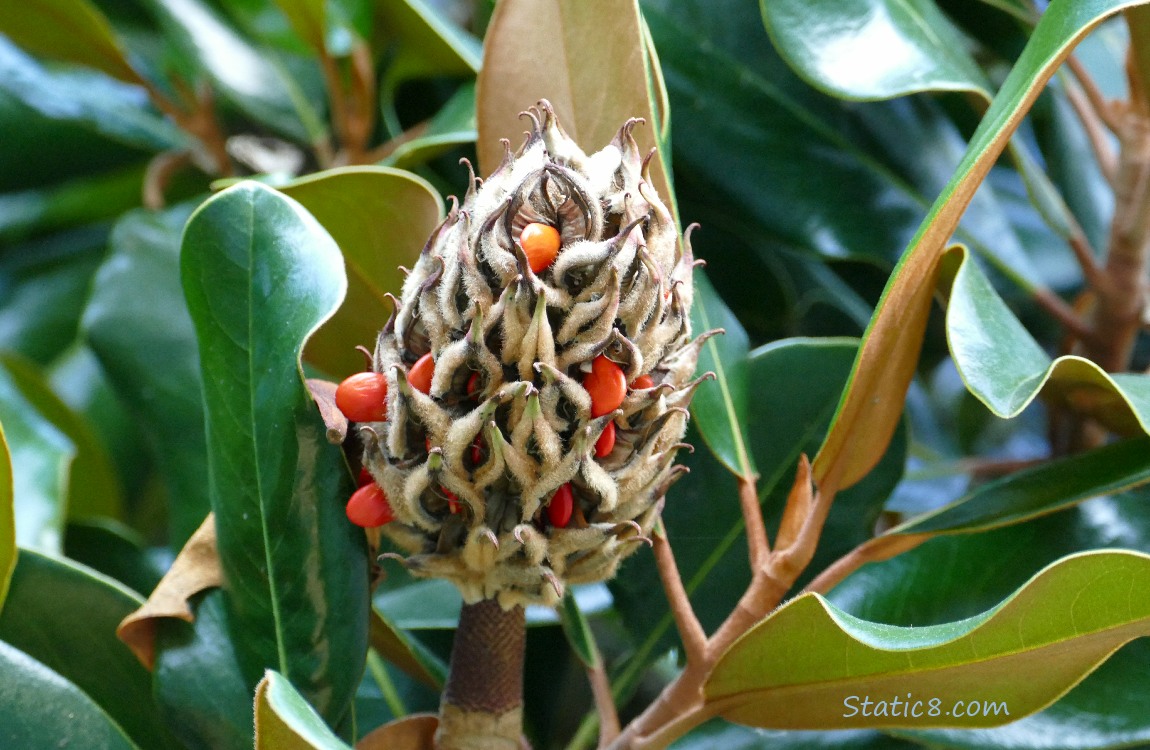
x: 482, y: 706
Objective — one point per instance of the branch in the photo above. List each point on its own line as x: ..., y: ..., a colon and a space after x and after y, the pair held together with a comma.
x: 604, y: 703
x: 873, y: 550
x: 758, y: 546
x: 1102, y: 110
x: 690, y: 631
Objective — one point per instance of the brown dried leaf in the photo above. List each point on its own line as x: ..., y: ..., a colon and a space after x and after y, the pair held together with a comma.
x: 196, y: 568
x: 323, y: 392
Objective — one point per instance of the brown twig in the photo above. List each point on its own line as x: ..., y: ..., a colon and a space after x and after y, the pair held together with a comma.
x: 1064, y: 313
x: 159, y: 174
x: 690, y: 630
x: 758, y: 546
x: 1102, y: 109
x: 1095, y: 131
x: 873, y: 550
x: 604, y: 703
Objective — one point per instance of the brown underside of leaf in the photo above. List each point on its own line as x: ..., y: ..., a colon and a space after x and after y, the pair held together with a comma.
x: 196, y: 568
x: 415, y: 732
x: 530, y: 48
x: 323, y: 392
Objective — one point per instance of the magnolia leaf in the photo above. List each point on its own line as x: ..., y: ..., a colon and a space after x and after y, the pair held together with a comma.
x: 809, y: 664
x: 1005, y: 368
x: 34, y: 698
x: 833, y: 44
x: 98, y: 491
x: 70, y: 30
x: 41, y: 456
x: 380, y: 217
x: 719, y: 408
x: 405, y: 652
x: 285, y: 721
x: 261, y: 275
x: 527, y: 50
x: 872, y: 401
x: 415, y: 732
x: 7, y: 519
x: 195, y: 569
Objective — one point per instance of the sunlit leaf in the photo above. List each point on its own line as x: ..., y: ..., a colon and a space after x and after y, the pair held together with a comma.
x: 41, y: 457
x: 284, y: 720
x: 719, y: 408
x: 380, y: 217
x: 106, y: 105
x: 1005, y: 368
x: 872, y: 401
x: 71, y: 30
x: 95, y: 490
x: 7, y: 519
x: 260, y: 275
x: 527, y: 51
x: 800, y: 667
x: 834, y: 43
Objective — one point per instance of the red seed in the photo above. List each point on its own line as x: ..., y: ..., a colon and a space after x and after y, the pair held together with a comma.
x: 477, y: 451
x: 420, y: 374
x: 368, y: 507
x: 642, y: 382
x: 561, y: 507
x: 606, y: 384
x: 452, y: 499
x: 363, y: 397
x: 473, y: 385
x: 540, y: 244
x: 606, y: 441
x: 364, y: 477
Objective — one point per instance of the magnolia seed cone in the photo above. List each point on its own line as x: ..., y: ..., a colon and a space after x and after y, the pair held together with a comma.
x: 470, y: 467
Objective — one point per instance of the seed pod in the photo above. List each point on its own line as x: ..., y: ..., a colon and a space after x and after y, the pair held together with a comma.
x: 508, y: 377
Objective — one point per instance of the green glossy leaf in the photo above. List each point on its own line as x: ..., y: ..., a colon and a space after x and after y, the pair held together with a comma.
x: 27, y: 213
x: 7, y: 519
x: 309, y: 20
x: 578, y: 632
x: 719, y: 408
x: 32, y: 700
x: 721, y: 734
x: 833, y: 44
x: 96, y: 490
x: 116, y: 110
x: 137, y: 324
x: 41, y: 456
x: 65, y: 616
x: 872, y: 402
x: 1043, y: 489
x: 45, y: 282
x: 453, y: 125
x: 525, y: 35
x: 1005, y: 368
x: 78, y: 379
x: 796, y: 385
x: 114, y: 550
x: 260, y: 275
x: 424, y: 604
x: 406, y: 652
x: 284, y: 720
x: 198, y: 681
x: 253, y: 81
x: 380, y: 217
x: 428, y: 43
x: 951, y: 577
x: 1021, y: 655
x: 71, y: 30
